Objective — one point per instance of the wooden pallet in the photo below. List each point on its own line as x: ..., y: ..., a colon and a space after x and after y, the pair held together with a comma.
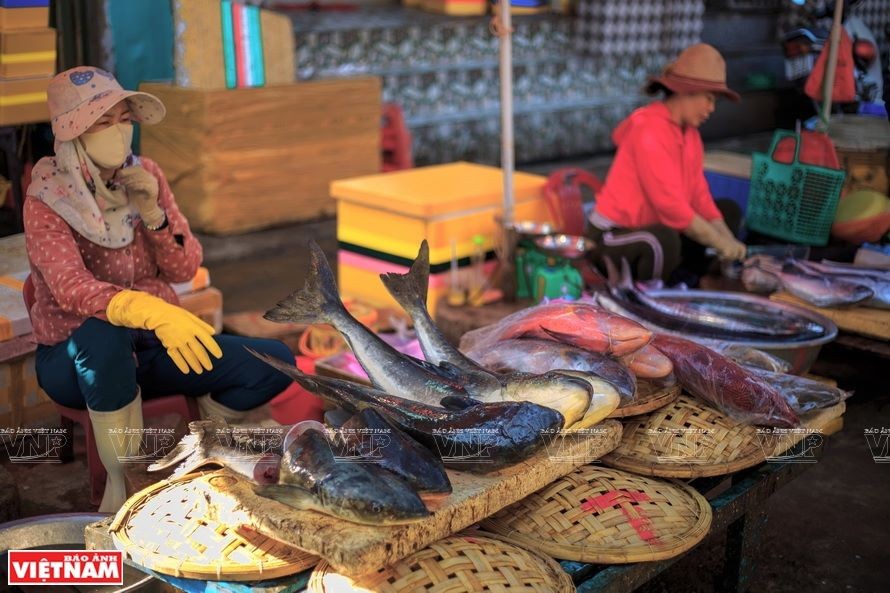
x: 874, y: 323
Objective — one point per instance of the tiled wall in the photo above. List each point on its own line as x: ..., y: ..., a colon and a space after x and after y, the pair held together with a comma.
x: 574, y: 78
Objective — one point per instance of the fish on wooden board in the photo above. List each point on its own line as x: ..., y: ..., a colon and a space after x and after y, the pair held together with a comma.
x: 378, y: 440
x: 465, y: 433
x: 405, y: 376
x: 214, y: 442
x: 312, y: 478
x: 815, y: 288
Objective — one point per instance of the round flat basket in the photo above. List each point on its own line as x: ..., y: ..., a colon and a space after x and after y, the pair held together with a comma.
x: 688, y: 439
x: 179, y: 528
x: 649, y: 398
x: 464, y: 562
x: 606, y: 516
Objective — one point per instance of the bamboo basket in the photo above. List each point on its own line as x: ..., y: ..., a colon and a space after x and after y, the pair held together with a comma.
x: 178, y: 527
x: 649, y: 398
x: 469, y: 561
x: 606, y: 516
x: 688, y: 439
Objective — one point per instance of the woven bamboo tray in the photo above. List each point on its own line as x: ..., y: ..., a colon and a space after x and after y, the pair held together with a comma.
x: 649, y: 398
x: 606, y: 516
x: 688, y: 439
x: 179, y: 528
x: 470, y: 561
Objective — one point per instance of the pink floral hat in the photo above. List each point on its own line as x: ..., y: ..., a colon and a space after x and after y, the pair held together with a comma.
x: 80, y: 96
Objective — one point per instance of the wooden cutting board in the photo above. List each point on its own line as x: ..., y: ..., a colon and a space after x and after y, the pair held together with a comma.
x: 866, y: 321
x: 354, y: 549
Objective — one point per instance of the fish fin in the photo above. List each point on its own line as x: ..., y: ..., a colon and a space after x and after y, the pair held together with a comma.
x: 189, y: 453
x: 560, y: 337
x: 288, y: 369
x: 458, y: 402
x: 316, y: 301
x: 413, y: 286
x: 293, y: 496
x: 337, y: 418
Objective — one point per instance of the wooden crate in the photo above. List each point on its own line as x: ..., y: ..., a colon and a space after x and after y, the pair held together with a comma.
x: 246, y: 159
x: 30, y: 52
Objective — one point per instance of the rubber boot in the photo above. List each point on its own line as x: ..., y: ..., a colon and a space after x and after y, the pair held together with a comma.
x: 115, y: 445
x: 210, y: 408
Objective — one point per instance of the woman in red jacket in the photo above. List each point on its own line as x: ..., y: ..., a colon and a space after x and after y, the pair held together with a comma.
x: 655, y: 208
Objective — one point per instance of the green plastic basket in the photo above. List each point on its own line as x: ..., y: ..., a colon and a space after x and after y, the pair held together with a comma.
x: 795, y: 202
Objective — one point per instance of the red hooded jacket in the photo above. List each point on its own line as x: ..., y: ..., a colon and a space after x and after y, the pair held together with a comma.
x: 658, y: 174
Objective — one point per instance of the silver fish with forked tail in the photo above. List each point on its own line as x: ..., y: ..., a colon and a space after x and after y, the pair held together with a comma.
x: 395, y: 373
x: 410, y: 291
x: 214, y: 442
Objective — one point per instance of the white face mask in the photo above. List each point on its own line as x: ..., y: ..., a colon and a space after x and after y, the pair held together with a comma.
x: 110, y: 147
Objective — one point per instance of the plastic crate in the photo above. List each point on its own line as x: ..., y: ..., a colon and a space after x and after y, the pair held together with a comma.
x: 796, y: 201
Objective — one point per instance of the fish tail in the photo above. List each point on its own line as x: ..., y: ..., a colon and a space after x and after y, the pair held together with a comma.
x: 190, y: 452
x: 318, y: 300
x: 410, y: 290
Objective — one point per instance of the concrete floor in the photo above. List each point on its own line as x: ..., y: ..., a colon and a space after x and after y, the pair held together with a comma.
x: 828, y: 531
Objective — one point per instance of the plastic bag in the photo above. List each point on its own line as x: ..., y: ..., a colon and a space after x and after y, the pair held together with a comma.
x: 580, y: 324
x: 734, y: 390
x: 751, y: 357
x: 802, y: 394
x: 539, y: 356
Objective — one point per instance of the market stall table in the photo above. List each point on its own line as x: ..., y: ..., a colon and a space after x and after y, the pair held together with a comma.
x: 738, y: 502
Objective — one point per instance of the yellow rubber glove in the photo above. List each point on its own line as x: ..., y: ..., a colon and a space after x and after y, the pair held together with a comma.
x: 186, y: 338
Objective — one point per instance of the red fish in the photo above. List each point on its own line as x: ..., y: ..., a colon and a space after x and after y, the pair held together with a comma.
x: 579, y: 324
x: 717, y: 380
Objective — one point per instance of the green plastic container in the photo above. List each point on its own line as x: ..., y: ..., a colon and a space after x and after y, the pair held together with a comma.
x: 795, y: 202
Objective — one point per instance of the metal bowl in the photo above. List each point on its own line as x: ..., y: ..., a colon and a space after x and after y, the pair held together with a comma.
x: 567, y: 246
x: 800, y: 354
x: 64, y: 531
x: 529, y: 228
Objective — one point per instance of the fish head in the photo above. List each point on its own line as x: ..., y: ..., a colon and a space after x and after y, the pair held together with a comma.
x: 568, y: 395
x: 366, y: 493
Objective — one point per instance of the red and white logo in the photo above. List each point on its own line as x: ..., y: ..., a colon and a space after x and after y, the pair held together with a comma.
x: 68, y: 567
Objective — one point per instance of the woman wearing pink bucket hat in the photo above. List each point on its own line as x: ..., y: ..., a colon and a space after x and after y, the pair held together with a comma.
x: 105, y: 239
x: 655, y: 208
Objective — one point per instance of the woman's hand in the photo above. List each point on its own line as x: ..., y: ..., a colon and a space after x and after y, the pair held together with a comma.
x: 142, y: 190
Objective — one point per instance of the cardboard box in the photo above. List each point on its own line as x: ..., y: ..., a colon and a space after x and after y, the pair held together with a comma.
x: 23, y: 101
x: 381, y: 220
x: 247, y: 159
x: 27, y: 53
x: 12, y: 19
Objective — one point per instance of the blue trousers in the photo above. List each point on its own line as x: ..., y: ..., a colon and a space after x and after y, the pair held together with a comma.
x: 101, y: 364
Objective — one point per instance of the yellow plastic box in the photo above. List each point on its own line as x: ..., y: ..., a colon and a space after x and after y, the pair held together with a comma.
x: 381, y: 220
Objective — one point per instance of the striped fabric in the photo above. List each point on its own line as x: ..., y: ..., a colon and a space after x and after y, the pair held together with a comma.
x: 242, y: 45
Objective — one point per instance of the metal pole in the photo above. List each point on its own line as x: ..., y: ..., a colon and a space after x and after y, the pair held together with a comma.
x: 507, y: 156
x: 831, y: 66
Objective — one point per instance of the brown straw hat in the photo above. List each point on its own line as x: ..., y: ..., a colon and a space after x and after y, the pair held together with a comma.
x: 699, y: 68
